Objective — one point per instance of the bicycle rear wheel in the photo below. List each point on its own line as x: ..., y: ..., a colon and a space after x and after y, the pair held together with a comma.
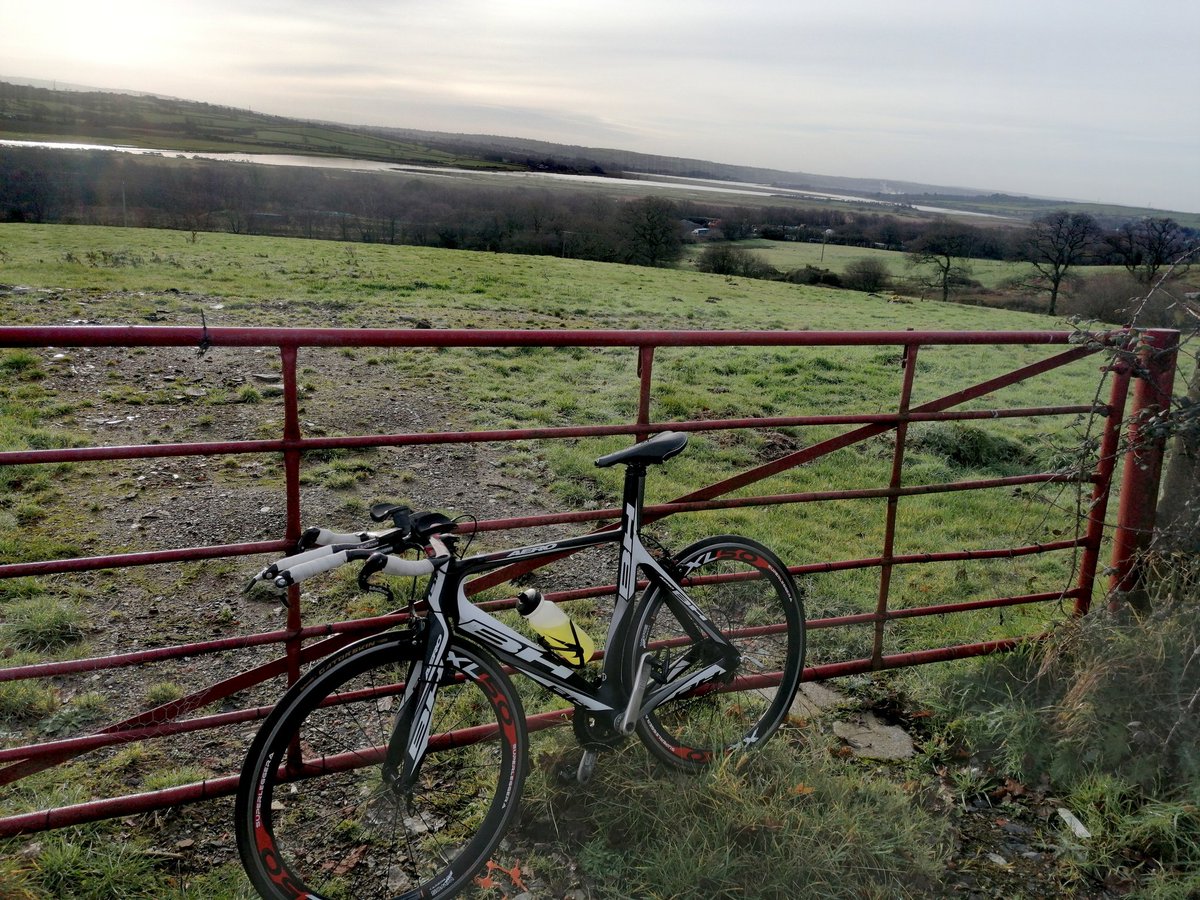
x: 315, y: 819
x: 747, y: 592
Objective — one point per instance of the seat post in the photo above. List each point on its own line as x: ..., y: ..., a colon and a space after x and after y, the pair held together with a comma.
x: 632, y: 497
x: 631, y: 526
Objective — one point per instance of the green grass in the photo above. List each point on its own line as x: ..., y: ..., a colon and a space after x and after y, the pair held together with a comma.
x: 41, y: 624
x: 790, y: 821
x: 276, y: 281
x: 1103, y: 711
x: 864, y: 832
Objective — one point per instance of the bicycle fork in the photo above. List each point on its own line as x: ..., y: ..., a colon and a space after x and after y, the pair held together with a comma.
x: 409, y: 741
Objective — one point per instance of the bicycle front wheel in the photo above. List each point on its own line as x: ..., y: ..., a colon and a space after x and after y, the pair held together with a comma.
x: 747, y: 592
x: 315, y: 818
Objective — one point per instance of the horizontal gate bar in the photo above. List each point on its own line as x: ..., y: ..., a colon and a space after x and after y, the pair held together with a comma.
x: 193, y: 336
x: 218, y: 448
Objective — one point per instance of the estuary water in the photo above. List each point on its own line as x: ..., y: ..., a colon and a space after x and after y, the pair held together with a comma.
x: 662, y: 182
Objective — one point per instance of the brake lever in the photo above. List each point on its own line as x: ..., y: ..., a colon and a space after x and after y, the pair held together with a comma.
x: 375, y: 563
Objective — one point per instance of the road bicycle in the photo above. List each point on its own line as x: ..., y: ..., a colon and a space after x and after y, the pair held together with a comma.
x: 393, y: 767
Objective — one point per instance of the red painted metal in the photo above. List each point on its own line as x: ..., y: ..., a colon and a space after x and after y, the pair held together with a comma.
x: 190, y: 336
x: 1097, y: 511
x: 909, y: 364
x: 218, y: 448
x: 1155, y: 372
x: 1156, y: 362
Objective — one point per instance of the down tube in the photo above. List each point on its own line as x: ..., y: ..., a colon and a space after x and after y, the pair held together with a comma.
x: 526, y: 657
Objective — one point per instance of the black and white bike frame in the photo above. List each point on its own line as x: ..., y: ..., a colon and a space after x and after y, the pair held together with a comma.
x: 621, y: 695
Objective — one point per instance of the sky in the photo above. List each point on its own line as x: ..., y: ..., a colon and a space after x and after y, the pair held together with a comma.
x: 1091, y: 100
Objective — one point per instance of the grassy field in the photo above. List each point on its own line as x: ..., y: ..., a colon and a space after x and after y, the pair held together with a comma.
x: 60, y: 274
x: 113, y: 275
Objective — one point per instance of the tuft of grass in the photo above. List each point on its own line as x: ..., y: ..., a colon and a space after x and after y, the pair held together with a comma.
x: 249, y: 394
x: 42, y: 623
x: 25, y: 701
x: 19, y: 589
x: 163, y: 692
x: 157, y: 781
x: 18, y: 879
x: 970, y: 447
x: 80, y: 863
x: 22, y: 363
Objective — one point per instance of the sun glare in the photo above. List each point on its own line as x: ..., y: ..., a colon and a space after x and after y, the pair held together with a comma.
x: 118, y: 35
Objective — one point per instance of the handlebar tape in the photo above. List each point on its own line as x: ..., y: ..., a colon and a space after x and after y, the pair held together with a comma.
x: 295, y: 573
x: 326, y: 537
x: 412, y: 568
x: 269, y: 573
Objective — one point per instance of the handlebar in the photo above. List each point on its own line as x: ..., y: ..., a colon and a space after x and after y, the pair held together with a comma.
x: 340, y: 549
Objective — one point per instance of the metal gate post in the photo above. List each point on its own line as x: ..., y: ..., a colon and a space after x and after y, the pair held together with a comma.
x: 645, y: 371
x: 909, y: 362
x: 1155, y: 373
x: 291, y: 470
x: 1102, y: 480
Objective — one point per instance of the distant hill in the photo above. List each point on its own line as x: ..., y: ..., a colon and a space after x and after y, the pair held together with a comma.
x: 30, y: 111
x: 34, y: 111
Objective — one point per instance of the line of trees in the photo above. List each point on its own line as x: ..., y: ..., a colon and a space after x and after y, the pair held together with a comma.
x: 38, y: 185
x: 1053, y: 244
x: 203, y: 195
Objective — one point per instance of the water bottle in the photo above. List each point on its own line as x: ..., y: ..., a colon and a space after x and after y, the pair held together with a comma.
x: 557, y: 631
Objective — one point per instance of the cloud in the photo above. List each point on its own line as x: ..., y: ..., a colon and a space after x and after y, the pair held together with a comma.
x: 1020, y: 96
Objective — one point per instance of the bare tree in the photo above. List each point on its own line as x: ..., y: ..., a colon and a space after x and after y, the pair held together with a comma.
x: 725, y: 259
x: 1056, y: 242
x: 1144, y: 247
x: 943, y: 249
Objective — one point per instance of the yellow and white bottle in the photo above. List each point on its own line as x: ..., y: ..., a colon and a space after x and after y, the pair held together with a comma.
x: 557, y: 631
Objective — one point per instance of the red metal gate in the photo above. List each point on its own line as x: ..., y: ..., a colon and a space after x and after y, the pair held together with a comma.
x: 1147, y: 356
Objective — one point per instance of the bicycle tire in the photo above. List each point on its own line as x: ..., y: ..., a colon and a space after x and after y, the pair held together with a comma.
x: 332, y: 829
x: 758, y: 607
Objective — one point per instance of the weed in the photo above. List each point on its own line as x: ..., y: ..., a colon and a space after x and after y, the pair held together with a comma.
x: 84, y: 710
x: 163, y: 692
x: 249, y: 394
x: 42, y: 623
x: 157, y: 781
x: 25, y: 701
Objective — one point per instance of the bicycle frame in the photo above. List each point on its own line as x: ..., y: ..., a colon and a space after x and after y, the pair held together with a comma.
x: 451, y: 612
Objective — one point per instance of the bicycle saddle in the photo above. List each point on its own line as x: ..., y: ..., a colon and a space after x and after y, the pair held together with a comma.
x: 658, y: 449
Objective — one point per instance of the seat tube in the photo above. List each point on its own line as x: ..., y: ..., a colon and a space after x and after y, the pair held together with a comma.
x: 631, y: 526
